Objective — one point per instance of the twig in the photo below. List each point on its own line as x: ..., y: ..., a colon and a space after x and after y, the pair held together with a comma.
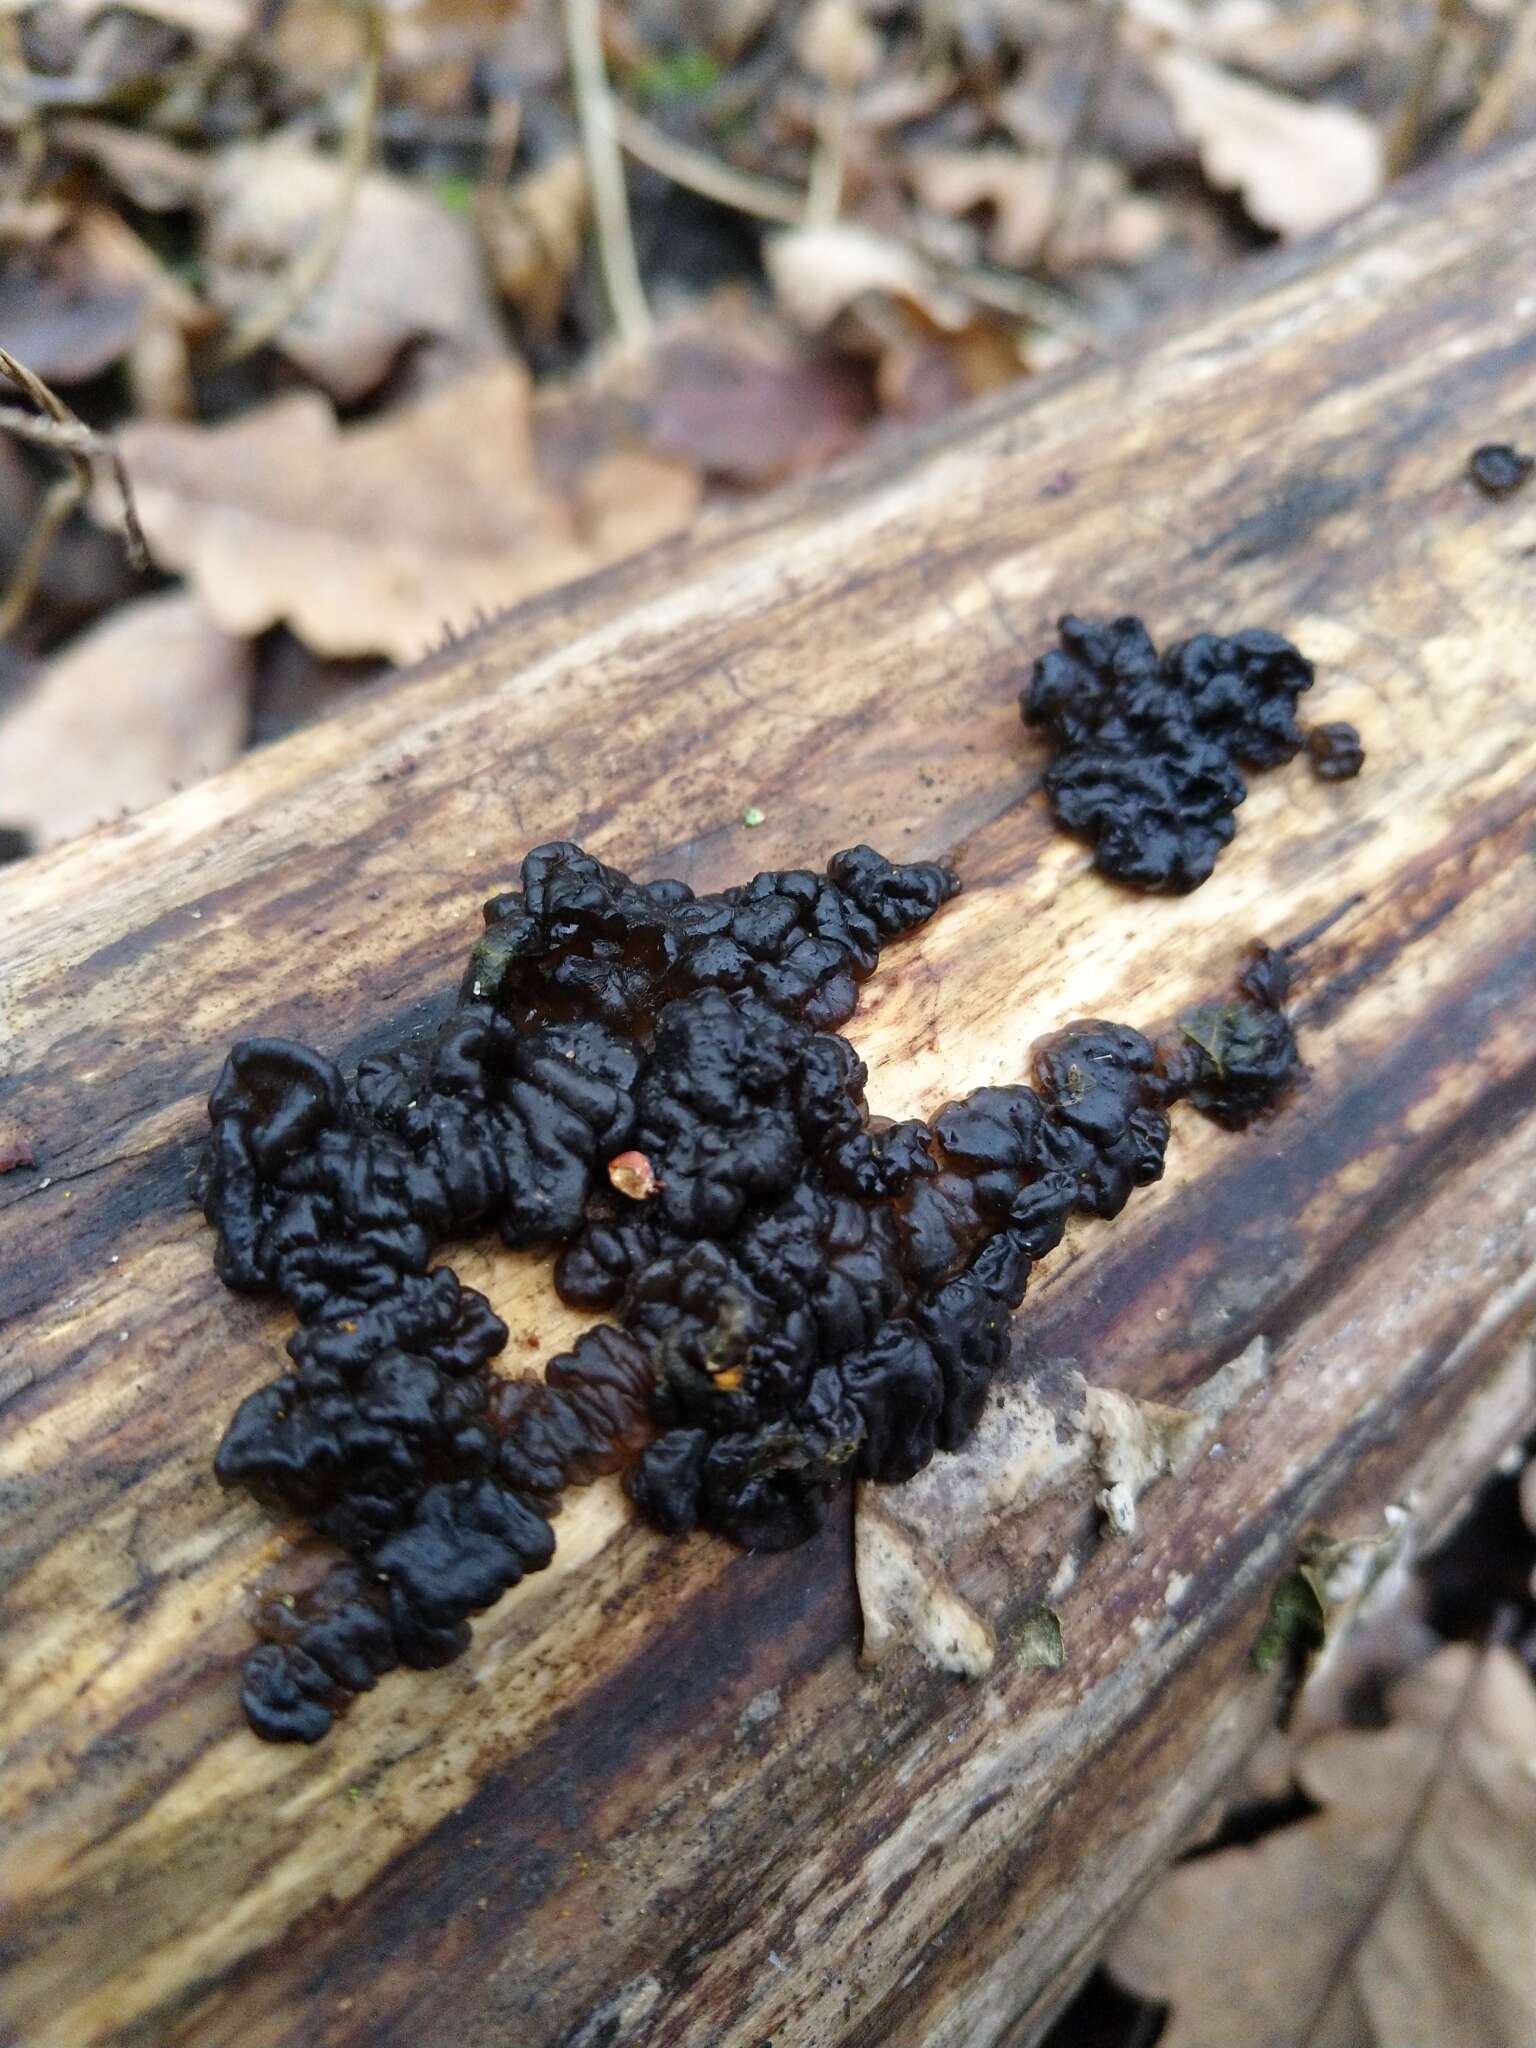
x: 770, y: 199
x: 55, y: 426
x: 1408, y: 124
x: 764, y: 198
x: 505, y: 131
x: 31, y: 141
x: 313, y: 262
x: 605, y: 171
x: 1492, y: 114
x: 60, y: 499
x: 1085, y: 121
x: 824, y: 194
x: 1024, y: 299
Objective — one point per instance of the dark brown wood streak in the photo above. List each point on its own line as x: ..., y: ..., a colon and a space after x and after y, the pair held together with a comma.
x: 660, y: 1802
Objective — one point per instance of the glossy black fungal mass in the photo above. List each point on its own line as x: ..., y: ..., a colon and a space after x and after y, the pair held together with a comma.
x: 1497, y: 469
x: 798, y: 1290
x: 1335, y: 751
x: 1151, y: 747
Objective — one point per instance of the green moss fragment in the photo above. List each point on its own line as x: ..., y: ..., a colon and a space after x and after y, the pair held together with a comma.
x: 1037, y: 1640
x: 1297, y: 1625
x: 682, y: 75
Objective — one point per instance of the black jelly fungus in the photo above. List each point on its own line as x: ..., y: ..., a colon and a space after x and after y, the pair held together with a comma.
x: 1335, y: 751
x: 1150, y: 747
x: 804, y: 1292
x: 1497, y: 469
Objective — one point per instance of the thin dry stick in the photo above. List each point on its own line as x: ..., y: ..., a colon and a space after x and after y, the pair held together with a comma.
x: 1085, y: 121
x: 605, y: 171
x: 769, y: 199
x: 764, y: 198
x: 1408, y: 124
x: 506, y: 126
x: 314, y: 261
x: 1023, y: 299
x: 31, y: 141
x: 824, y: 195
x: 55, y: 426
x: 60, y: 499
x: 1516, y: 70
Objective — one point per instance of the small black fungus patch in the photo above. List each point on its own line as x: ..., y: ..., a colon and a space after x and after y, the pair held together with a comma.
x: 1151, y: 747
x: 651, y: 1085
x: 1335, y: 752
x: 1497, y: 469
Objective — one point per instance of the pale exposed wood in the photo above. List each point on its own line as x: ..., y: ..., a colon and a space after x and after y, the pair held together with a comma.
x: 660, y: 1802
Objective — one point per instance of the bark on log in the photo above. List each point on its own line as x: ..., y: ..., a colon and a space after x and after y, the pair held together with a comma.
x: 660, y: 1802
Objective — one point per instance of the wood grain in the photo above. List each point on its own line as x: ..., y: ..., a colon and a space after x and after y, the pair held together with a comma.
x: 659, y: 1802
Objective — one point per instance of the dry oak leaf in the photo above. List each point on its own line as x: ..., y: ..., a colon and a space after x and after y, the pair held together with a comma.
x: 1088, y: 215
x: 376, y: 539
x: 1298, y: 48
x: 407, y: 269
x: 534, y: 234
x: 79, y: 303
x: 819, y: 273
x: 209, y: 21
x: 746, y: 404
x: 155, y: 696
x: 1298, y: 166
x: 1399, y: 1916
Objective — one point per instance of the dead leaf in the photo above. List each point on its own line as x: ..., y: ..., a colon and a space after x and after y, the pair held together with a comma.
x: 408, y: 270
x: 819, y: 273
x: 60, y: 314
x: 155, y: 696
x: 84, y: 301
x: 1398, y: 1916
x: 144, y: 167
x: 211, y: 21
x: 1296, y: 47
x: 1043, y: 109
x: 1084, y: 214
x: 534, y: 234
x: 1298, y: 165
x: 745, y: 409
x: 378, y: 538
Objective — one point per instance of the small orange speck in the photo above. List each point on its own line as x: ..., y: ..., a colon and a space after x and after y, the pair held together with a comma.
x: 633, y: 1175
x: 729, y: 1380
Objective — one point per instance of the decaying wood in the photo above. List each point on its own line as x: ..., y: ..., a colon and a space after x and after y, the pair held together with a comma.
x: 661, y: 1801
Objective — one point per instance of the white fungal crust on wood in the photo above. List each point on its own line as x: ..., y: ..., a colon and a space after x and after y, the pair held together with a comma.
x: 1050, y: 1434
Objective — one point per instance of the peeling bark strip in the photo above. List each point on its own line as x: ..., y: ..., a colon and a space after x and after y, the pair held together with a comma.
x: 660, y: 1803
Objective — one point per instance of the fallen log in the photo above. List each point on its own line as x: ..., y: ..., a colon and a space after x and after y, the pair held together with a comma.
x: 660, y: 1800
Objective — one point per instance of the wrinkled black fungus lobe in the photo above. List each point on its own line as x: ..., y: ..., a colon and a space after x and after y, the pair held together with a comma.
x: 1151, y: 747
x: 807, y: 1292
x: 1335, y: 752
x: 1497, y: 469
